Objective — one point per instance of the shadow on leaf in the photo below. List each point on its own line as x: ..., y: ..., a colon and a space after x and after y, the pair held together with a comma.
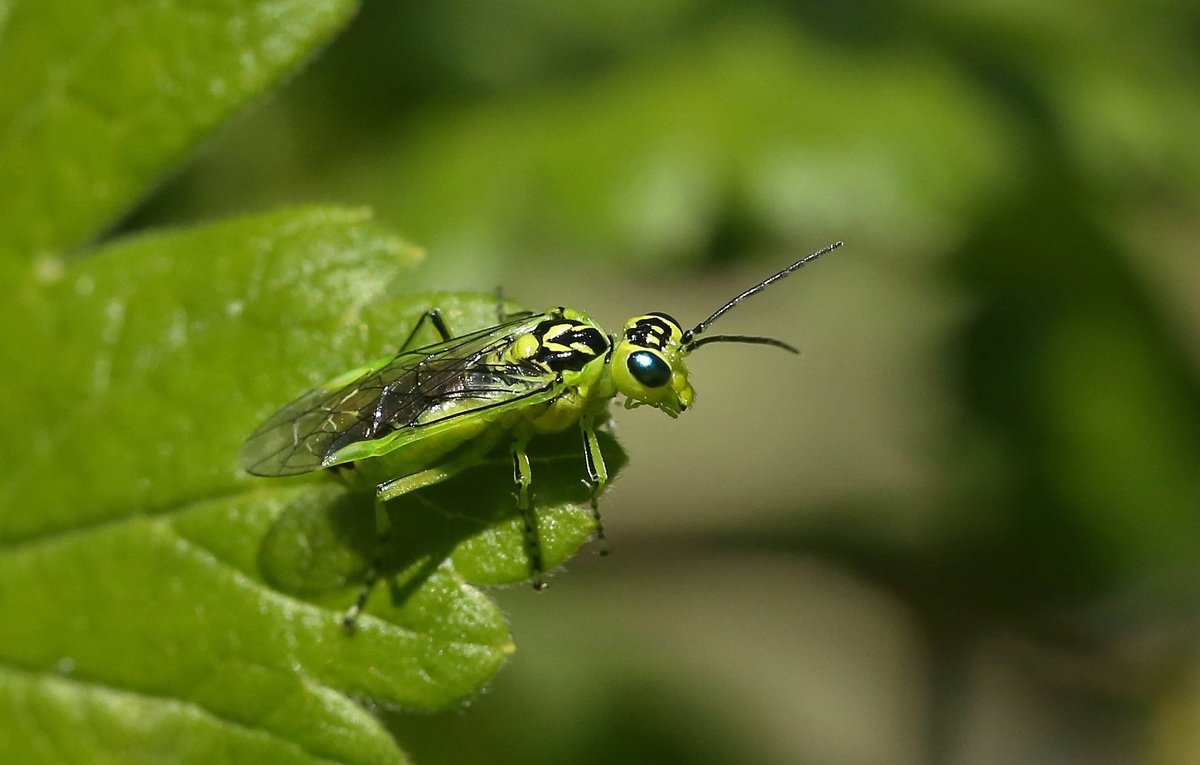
x: 469, y: 524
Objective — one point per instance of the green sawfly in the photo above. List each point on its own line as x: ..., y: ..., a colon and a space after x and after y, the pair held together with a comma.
x: 426, y: 414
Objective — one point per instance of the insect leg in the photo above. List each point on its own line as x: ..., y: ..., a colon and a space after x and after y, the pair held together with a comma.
x: 597, y: 475
x: 382, y: 526
x: 503, y: 315
x: 438, y: 473
x: 396, y: 488
x: 434, y: 316
x: 523, y: 477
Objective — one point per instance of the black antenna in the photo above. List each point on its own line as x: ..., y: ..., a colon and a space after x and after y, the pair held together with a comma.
x: 749, y: 339
x: 699, y: 328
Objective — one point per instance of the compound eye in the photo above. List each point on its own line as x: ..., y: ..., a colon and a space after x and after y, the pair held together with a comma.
x: 649, y: 369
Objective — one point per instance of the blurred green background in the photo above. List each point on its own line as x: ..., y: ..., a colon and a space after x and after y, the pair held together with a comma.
x: 962, y: 527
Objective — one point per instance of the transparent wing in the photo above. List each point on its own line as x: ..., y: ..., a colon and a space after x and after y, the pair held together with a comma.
x: 415, y: 389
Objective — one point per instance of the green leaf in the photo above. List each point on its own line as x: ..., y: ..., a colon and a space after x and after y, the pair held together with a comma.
x: 100, y: 99
x: 145, y: 364
x: 151, y: 593
x: 157, y: 603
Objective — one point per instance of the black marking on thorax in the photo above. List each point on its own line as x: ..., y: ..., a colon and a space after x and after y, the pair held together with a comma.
x: 568, y: 344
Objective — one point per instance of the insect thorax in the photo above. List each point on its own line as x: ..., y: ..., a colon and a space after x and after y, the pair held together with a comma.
x: 567, y: 341
x: 566, y: 344
x: 571, y: 348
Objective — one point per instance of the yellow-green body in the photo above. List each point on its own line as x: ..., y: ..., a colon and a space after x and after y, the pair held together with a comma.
x: 420, y: 417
